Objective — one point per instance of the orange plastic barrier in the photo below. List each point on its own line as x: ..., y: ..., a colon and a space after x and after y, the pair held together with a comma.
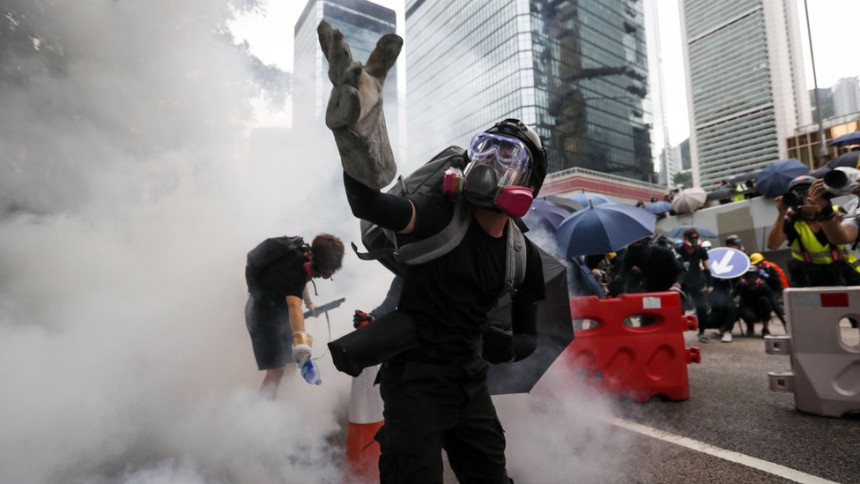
x: 365, y: 419
x: 634, y: 361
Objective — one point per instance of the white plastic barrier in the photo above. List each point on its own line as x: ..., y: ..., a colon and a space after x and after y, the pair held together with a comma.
x: 825, y: 376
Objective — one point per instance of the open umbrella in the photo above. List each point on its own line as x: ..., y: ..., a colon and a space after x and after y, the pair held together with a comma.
x: 596, y: 199
x: 678, y: 232
x: 688, y: 200
x: 604, y: 228
x: 741, y: 178
x: 554, y: 333
x: 772, y: 181
x: 565, y: 202
x: 658, y: 207
x: 847, y: 139
x: 546, y: 214
x: 850, y: 159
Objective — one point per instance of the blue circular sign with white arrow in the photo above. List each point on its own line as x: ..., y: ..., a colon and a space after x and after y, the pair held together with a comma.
x: 727, y: 263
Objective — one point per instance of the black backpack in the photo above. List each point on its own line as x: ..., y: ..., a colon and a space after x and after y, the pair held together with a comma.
x: 267, y: 253
x: 381, y: 244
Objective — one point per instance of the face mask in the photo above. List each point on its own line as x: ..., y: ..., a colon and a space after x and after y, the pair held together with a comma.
x: 481, y: 187
x: 498, y: 164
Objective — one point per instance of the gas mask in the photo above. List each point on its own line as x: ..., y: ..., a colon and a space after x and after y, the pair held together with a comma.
x: 494, y: 178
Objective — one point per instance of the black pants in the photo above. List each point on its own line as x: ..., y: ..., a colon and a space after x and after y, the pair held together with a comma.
x: 698, y: 301
x: 754, y: 309
x: 723, y: 312
x: 429, y: 408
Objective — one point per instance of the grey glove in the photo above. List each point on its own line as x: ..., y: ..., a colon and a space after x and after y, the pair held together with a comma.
x: 354, y: 112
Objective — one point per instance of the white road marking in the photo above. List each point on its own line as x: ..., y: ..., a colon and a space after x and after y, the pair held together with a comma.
x: 762, y: 465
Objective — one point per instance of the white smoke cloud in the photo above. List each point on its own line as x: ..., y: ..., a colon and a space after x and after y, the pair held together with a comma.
x: 131, y: 202
x: 558, y: 433
x: 132, y: 190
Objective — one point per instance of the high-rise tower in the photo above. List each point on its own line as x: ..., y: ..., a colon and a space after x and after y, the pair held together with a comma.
x: 746, y: 85
x: 576, y: 70
x: 362, y: 24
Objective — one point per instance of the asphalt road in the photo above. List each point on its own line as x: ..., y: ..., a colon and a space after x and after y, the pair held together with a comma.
x: 732, y: 429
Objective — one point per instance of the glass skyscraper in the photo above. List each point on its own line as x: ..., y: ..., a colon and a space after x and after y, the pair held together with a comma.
x: 746, y: 85
x: 362, y: 24
x: 576, y: 70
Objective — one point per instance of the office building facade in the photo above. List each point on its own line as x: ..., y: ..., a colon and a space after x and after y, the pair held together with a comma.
x: 575, y: 70
x: 846, y: 96
x: 745, y: 82
x: 362, y: 24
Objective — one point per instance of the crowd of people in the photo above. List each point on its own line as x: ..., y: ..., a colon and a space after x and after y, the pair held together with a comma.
x: 821, y: 236
x: 659, y: 263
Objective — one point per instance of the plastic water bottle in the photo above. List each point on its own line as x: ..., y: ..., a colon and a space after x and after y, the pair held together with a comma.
x: 311, y: 373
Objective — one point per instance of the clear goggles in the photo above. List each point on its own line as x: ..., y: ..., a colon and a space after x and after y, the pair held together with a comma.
x: 509, y: 156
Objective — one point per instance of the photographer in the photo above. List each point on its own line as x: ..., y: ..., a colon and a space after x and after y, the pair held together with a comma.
x: 839, y: 228
x: 837, y: 182
x: 816, y: 259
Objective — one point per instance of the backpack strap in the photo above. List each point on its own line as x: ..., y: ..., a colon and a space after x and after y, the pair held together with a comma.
x: 438, y: 244
x: 515, y: 262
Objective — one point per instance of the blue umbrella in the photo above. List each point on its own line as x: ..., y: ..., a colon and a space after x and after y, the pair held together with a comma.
x: 772, y: 181
x: 678, y: 232
x: 607, y: 227
x: 658, y: 207
x: 596, y: 198
x: 545, y: 213
x: 847, y: 139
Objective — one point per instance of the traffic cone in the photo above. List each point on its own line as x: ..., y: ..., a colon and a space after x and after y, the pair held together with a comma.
x: 365, y: 419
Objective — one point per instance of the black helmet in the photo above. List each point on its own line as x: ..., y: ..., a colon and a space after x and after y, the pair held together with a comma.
x: 521, y: 131
x: 733, y: 240
x: 802, y: 182
x: 797, y: 190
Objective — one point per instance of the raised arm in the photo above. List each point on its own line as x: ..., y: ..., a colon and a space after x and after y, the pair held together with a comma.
x: 354, y: 112
x: 776, y: 235
x: 836, y: 232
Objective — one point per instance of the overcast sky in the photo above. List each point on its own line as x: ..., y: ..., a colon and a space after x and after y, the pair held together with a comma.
x: 833, y: 24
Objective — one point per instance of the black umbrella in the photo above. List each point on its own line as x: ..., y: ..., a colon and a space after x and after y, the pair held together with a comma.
x: 554, y: 333
x: 772, y: 181
x: 742, y: 177
x: 847, y: 139
x: 849, y: 159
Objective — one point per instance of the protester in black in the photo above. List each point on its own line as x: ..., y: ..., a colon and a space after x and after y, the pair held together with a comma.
x: 436, y: 395
x: 273, y: 313
x: 649, y: 266
x: 754, y: 303
x: 696, y: 277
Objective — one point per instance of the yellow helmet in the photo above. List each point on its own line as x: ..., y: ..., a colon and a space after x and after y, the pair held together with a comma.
x: 756, y: 257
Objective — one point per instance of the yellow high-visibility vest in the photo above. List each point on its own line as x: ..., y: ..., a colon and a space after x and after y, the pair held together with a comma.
x: 806, y: 247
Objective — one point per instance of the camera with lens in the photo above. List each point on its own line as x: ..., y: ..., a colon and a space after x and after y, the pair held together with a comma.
x: 795, y: 201
x: 790, y: 199
x: 842, y: 180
